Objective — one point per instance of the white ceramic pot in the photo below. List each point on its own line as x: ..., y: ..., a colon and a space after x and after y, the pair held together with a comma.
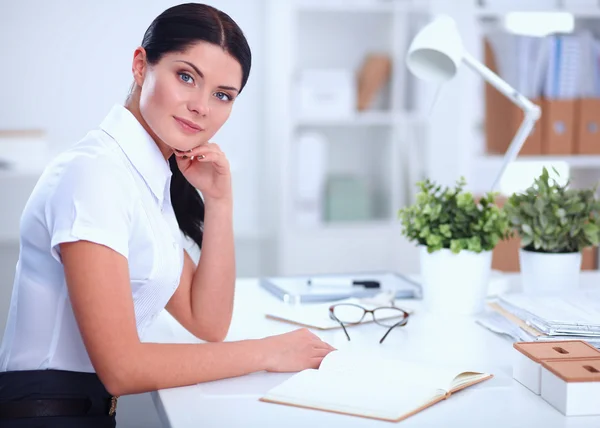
x: 455, y: 283
x: 549, y: 272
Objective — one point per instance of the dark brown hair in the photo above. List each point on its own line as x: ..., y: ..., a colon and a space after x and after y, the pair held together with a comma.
x: 175, y: 30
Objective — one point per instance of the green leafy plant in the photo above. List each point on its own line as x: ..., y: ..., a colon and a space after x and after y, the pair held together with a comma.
x: 450, y: 217
x: 551, y: 218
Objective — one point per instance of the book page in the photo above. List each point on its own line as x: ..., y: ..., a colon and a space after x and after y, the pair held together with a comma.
x: 391, y: 370
x: 369, y: 385
x: 465, y: 379
x: 357, y: 395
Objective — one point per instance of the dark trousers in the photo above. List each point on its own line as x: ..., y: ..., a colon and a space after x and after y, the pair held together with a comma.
x: 57, y: 386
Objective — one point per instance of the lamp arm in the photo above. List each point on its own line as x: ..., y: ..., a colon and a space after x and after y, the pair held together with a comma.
x: 503, y: 87
x: 515, y: 145
x: 532, y: 111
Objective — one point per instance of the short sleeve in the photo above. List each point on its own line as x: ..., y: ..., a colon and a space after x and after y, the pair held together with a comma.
x: 91, y: 201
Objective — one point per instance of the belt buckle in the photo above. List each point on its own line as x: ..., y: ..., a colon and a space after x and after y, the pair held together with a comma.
x: 113, y: 406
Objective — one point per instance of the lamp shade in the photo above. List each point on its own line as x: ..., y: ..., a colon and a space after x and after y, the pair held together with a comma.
x: 436, y: 51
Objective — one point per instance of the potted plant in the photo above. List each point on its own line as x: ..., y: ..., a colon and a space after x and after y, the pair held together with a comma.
x: 456, y: 234
x: 555, y: 223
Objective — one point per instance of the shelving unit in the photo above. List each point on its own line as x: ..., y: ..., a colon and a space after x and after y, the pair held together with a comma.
x: 370, y: 145
x: 360, y: 119
x: 584, y: 169
x: 573, y: 161
x: 399, y: 142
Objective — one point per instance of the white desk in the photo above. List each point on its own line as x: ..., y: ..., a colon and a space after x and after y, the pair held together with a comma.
x: 499, y: 402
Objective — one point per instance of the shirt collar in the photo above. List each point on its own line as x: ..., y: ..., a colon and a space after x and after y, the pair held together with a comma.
x: 140, y: 149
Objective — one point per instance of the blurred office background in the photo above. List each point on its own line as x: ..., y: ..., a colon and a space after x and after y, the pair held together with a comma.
x: 331, y: 134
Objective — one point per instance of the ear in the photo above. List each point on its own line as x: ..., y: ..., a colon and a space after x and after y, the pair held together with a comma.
x: 138, y: 67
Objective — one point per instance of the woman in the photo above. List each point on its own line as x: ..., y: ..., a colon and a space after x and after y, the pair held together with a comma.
x: 101, y: 253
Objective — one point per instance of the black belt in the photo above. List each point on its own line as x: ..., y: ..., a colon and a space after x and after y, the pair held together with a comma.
x: 55, y: 407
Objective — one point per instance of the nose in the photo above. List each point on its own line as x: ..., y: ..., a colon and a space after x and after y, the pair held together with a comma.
x: 199, y: 104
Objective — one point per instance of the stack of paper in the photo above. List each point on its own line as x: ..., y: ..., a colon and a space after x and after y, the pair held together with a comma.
x: 573, y: 316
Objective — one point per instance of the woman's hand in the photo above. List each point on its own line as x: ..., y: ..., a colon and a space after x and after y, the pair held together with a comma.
x: 295, y: 351
x: 207, y: 169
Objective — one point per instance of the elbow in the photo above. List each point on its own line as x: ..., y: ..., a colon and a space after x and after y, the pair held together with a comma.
x: 209, y: 331
x: 214, y: 336
x: 212, y: 333
x: 118, y: 377
x: 115, y: 384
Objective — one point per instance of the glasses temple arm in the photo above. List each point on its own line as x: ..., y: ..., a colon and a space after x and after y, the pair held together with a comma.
x: 404, y: 321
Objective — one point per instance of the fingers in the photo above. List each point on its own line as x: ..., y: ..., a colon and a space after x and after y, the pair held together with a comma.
x: 321, y: 353
x: 318, y: 343
x: 203, y: 149
x: 205, y: 153
x: 324, y: 345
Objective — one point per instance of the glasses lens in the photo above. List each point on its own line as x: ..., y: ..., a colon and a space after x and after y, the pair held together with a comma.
x: 388, y: 317
x: 348, y: 314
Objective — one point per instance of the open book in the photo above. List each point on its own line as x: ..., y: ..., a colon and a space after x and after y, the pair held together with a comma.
x: 385, y: 389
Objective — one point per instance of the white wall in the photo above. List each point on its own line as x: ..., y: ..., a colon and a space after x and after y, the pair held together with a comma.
x: 64, y: 63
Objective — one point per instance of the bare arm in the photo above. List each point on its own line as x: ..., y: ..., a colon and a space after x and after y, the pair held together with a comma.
x: 203, y: 302
x: 103, y: 307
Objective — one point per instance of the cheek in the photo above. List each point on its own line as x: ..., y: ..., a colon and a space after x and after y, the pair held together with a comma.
x: 159, y: 94
x: 157, y: 99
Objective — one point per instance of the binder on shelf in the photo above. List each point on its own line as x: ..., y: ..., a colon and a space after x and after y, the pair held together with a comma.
x: 558, y: 126
x: 587, y: 127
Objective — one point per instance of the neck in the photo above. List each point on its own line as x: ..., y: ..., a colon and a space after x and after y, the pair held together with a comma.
x: 133, y: 105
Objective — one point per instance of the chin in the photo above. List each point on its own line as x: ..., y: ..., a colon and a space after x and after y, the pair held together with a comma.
x: 184, y: 144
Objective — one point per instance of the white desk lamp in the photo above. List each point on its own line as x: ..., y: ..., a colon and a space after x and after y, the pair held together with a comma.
x: 435, y: 55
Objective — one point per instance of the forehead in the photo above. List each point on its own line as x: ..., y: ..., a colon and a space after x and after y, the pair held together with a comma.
x: 213, y: 62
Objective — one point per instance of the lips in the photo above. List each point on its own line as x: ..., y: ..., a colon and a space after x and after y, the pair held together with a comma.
x: 188, y: 125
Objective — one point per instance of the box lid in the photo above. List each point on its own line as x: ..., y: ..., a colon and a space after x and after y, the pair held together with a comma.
x: 575, y: 369
x: 549, y: 350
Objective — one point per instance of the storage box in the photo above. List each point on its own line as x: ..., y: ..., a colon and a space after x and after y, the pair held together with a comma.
x: 326, y: 93
x: 529, y: 356
x: 558, y: 127
x: 572, y: 386
x: 587, y: 126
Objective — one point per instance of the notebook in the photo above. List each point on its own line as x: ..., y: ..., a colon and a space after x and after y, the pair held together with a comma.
x: 295, y: 289
x: 384, y: 389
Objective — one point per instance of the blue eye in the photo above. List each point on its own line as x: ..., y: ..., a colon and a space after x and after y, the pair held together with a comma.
x: 186, y: 77
x: 223, y: 96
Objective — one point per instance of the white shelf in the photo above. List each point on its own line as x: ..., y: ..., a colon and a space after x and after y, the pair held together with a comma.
x: 494, y: 13
x: 379, y: 6
x: 349, y: 228
x: 574, y: 161
x: 360, y: 119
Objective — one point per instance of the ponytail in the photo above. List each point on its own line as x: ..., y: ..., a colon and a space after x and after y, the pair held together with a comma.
x: 187, y: 204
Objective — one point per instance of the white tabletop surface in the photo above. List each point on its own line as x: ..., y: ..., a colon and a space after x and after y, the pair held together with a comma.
x: 499, y: 402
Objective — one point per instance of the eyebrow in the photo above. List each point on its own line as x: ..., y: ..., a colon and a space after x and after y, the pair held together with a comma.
x: 199, y: 73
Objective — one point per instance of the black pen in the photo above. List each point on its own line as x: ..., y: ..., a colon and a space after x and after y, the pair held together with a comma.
x: 342, y: 282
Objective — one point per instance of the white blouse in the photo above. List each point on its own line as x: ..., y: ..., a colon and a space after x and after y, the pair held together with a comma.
x: 111, y: 188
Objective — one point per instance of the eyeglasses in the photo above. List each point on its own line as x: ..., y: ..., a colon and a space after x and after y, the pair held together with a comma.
x: 352, y: 314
